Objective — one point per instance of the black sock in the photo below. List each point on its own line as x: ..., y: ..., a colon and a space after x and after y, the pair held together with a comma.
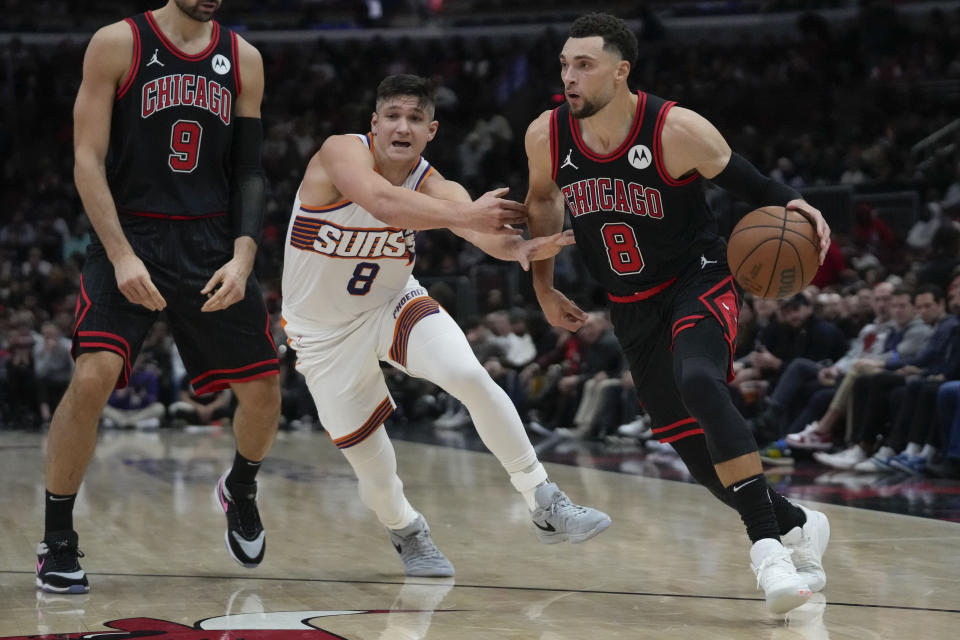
x: 243, y: 471
x: 59, y: 513
x: 751, y: 499
x: 788, y: 514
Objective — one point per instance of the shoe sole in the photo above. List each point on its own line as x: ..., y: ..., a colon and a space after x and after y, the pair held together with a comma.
x: 579, y: 538
x: 226, y: 533
x: 788, y: 601
x: 72, y: 589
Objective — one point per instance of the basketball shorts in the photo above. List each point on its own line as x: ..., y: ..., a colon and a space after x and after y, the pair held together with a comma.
x: 648, y: 327
x: 342, y: 364
x: 217, y: 348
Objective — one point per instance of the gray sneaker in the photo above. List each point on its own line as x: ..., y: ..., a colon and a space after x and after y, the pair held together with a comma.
x: 556, y: 519
x: 420, y: 556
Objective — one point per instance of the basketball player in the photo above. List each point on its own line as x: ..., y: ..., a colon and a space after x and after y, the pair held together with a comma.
x: 167, y: 146
x: 350, y: 302
x: 629, y: 165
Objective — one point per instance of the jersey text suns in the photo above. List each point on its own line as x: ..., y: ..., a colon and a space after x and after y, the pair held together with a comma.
x: 324, y: 237
x: 188, y: 90
x: 594, y: 195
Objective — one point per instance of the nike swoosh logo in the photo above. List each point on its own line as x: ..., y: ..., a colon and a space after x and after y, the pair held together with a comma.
x: 398, y: 548
x: 40, y: 564
x: 73, y: 575
x: 546, y: 526
x: 251, y: 548
x: 59, y: 499
x: 741, y: 486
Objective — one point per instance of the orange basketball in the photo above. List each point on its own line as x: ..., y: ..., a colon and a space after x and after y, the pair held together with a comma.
x: 773, y: 253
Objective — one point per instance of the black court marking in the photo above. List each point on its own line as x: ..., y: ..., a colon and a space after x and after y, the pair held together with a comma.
x: 599, y: 592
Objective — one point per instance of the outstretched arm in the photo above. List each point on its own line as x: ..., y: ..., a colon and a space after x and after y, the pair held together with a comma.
x: 343, y: 168
x: 499, y: 246
x: 691, y: 143
x: 545, y: 206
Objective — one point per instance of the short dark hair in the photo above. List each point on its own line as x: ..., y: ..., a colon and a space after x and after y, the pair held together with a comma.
x: 935, y: 290
x: 795, y: 301
x: 617, y: 36
x: 406, y: 84
x: 903, y: 290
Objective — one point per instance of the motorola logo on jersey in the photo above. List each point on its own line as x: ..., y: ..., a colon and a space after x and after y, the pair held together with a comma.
x: 187, y: 90
x: 320, y: 236
x: 639, y: 157
x: 220, y: 64
x: 594, y: 195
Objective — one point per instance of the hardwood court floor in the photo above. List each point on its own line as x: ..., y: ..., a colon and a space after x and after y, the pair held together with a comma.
x: 673, y: 565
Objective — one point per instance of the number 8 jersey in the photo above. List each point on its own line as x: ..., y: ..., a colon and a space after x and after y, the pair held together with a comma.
x: 169, y: 153
x: 340, y: 261
x: 635, y: 225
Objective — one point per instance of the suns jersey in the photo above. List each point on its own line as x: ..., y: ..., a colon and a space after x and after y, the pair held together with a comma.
x: 340, y: 261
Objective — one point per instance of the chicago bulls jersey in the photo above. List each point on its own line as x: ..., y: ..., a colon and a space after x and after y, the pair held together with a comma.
x: 635, y: 225
x: 340, y: 261
x: 172, y: 123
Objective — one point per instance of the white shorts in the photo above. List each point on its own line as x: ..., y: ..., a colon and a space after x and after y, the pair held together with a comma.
x: 342, y: 365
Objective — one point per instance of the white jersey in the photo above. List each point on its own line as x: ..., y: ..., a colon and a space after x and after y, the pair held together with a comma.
x: 340, y: 261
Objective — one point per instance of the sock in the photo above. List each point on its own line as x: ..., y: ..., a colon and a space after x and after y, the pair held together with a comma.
x: 59, y: 512
x: 788, y: 514
x: 751, y: 499
x: 927, y: 452
x: 527, y: 481
x: 912, y: 450
x: 243, y: 471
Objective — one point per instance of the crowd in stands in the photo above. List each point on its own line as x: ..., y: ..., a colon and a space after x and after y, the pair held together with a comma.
x: 858, y: 362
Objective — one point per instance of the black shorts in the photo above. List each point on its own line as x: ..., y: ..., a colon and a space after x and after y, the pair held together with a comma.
x: 217, y: 348
x: 648, y: 324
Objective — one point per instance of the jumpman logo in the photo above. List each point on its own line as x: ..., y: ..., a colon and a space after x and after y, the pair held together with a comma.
x: 704, y: 262
x: 568, y: 162
x: 155, y: 60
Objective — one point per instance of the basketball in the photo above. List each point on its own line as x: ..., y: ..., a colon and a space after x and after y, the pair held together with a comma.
x: 773, y: 253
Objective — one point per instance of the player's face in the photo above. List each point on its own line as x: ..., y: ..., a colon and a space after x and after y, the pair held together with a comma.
x: 590, y: 75
x: 201, y: 10
x: 402, y: 128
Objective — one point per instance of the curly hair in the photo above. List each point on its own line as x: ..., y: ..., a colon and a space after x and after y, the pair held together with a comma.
x: 617, y: 36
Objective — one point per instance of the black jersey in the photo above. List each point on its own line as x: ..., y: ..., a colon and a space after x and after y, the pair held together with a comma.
x: 172, y: 125
x: 636, y: 226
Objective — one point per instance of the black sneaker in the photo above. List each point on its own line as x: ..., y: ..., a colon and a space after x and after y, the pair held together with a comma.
x: 58, y: 570
x: 245, y: 537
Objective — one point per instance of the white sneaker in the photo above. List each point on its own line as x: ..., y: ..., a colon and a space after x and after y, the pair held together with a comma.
x: 878, y: 463
x: 783, y: 588
x: 843, y: 460
x: 808, y: 544
x: 638, y: 428
x: 556, y: 519
x: 810, y: 438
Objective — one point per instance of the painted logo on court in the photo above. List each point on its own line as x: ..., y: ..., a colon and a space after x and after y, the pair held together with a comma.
x: 278, y: 625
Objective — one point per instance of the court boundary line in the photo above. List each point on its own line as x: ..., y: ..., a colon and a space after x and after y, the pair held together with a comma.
x: 645, y: 594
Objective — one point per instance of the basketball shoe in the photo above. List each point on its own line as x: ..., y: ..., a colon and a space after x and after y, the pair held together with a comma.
x: 58, y: 567
x: 420, y: 556
x: 808, y: 544
x: 245, y: 538
x: 783, y: 588
x: 556, y: 519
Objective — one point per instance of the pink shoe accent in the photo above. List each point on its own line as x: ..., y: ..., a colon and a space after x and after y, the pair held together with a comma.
x: 223, y: 500
x: 40, y: 564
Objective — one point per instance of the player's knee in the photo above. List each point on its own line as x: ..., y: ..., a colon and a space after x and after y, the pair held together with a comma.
x: 95, y: 376
x: 261, y: 397
x: 699, y: 383
x: 466, y: 378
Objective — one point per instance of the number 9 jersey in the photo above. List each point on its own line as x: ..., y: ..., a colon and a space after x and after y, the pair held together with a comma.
x: 172, y: 127
x: 340, y: 261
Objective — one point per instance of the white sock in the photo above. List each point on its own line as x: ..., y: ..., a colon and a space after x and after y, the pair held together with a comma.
x: 527, y: 481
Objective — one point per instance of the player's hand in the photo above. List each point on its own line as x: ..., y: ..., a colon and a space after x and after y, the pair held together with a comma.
x: 490, y: 213
x: 560, y: 311
x: 227, y: 286
x: 543, y: 247
x: 812, y: 214
x: 135, y: 284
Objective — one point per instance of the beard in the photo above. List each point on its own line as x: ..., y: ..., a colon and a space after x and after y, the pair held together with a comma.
x: 587, y: 108
x: 194, y: 11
